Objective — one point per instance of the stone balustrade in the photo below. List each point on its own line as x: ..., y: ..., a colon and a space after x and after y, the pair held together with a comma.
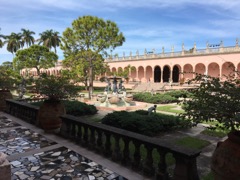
x: 120, y: 145
x: 196, y: 52
x: 22, y: 110
x: 115, y: 143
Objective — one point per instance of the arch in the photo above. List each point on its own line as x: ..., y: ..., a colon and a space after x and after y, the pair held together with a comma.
x: 166, y: 73
x: 120, y: 70
x: 140, y: 73
x: 213, y: 70
x: 228, y: 69
x: 134, y: 73
x: 188, y: 71
x: 114, y: 70
x: 148, y: 73
x: 175, y: 73
x: 157, y: 74
x: 200, y: 68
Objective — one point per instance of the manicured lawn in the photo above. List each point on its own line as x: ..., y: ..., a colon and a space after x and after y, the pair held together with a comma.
x: 170, y: 108
x: 209, y: 176
x: 191, y: 142
x: 215, y: 133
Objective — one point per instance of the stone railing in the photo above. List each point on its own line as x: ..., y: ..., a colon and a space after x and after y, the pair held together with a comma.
x: 130, y: 149
x: 22, y: 110
x: 118, y: 145
x: 197, y: 52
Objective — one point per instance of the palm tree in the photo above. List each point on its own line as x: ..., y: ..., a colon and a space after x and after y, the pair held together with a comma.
x: 1, y: 41
x: 50, y: 39
x: 27, y: 37
x: 56, y: 40
x: 14, y: 42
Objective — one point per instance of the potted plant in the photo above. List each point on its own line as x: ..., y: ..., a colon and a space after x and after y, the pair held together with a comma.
x: 8, y: 79
x: 53, y: 88
x: 219, y: 101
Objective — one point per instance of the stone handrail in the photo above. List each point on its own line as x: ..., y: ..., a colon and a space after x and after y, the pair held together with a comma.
x: 22, y: 110
x: 115, y: 143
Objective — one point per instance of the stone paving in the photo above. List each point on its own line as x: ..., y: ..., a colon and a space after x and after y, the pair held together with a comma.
x: 29, y: 158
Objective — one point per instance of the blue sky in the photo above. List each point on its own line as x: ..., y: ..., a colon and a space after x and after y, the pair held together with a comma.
x: 145, y: 23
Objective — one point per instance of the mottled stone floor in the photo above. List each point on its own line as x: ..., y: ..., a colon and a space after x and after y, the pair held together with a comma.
x: 5, y: 122
x: 59, y: 163
x: 21, y: 139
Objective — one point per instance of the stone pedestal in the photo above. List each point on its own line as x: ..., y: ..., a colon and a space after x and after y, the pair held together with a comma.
x: 5, y: 170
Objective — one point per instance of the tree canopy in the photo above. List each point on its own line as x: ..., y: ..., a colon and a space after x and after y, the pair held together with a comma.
x: 215, y: 100
x: 88, y: 38
x: 35, y: 56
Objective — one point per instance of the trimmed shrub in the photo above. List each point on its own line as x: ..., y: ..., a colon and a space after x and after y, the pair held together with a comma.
x: 168, y: 97
x: 75, y: 108
x: 142, y: 123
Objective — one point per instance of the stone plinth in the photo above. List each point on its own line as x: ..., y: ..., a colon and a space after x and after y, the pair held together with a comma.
x: 5, y: 168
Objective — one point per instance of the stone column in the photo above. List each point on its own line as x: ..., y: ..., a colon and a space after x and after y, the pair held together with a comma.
x: 5, y: 167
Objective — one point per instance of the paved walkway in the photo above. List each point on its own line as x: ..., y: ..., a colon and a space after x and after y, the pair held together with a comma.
x: 34, y: 154
x: 52, y: 144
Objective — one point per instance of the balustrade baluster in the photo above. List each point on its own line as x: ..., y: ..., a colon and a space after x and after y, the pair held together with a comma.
x: 107, y: 149
x: 136, y: 165
x: 116, y: 155
x: 99, y: 140
x: 92, y: 138
x: 126, y: 159
x: 162, y: 173
x: 85, y: 136
x: 73, y: 131
x: 79, y: 134
x: 148, y: 168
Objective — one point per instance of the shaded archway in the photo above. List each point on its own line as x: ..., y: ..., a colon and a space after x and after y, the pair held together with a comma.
x: 200, y: 68
x: 148, y: 73
x: 228, y: 69
x: 175, y: 74
x: 188, y: 72
x: 134, y: 73
x: 140, y: 73
x: 213, y: 70
x: 166, y: 73
x: 114, y: 70
x: 157, y: 74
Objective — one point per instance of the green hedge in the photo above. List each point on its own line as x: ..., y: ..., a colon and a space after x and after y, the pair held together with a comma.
x: 168, y: 97
x: 142, y: 123
x: 75, y: 108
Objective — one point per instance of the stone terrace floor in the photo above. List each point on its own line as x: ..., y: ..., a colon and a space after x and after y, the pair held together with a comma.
x: 34, y: 154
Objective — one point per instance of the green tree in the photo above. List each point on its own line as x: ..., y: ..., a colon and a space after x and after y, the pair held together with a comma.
x: 27, y: 37
x: 50, y: 39
x: 35, y: 56
x: 80, y: 72
x: 215, y: 100
x: 88, y: 37
x: 14, y: 42
x: 8, y: 76
x: 125, y: 72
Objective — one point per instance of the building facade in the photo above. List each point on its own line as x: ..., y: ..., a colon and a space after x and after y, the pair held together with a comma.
x: 172, y: 66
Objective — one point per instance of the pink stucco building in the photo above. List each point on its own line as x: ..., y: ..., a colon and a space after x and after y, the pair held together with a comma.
x: 172, y: 66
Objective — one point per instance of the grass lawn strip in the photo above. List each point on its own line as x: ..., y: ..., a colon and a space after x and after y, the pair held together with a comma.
x: 192, y: 142
x: 170, y: 108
